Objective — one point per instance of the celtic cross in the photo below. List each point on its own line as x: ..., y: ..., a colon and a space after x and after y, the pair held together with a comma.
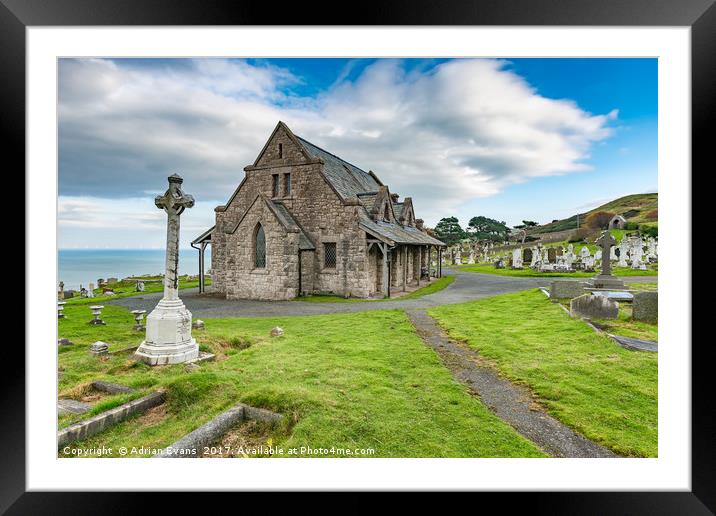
x: 173, y: 202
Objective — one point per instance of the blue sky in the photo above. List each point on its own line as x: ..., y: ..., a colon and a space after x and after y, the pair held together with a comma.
x: 511, y: 139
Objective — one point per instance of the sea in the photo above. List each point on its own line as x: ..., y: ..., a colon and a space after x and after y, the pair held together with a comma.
x: 82, y: 266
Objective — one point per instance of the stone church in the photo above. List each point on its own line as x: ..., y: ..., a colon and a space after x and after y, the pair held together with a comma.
x: 304, y: 221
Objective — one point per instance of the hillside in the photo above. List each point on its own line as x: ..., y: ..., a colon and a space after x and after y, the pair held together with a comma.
x: 637, y: 208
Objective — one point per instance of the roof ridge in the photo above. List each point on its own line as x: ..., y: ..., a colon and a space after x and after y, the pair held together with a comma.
x: 329, y: 153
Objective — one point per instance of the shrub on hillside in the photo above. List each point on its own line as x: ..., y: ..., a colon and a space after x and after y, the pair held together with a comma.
x: 631, y: 226
x: 653, y: 214
x: 578, y: 236
x: 649, y: 230
x: 599, y: 220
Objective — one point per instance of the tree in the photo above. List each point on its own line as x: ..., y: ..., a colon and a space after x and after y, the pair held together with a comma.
x: 449, y: 231
x: 529, y: 223
x: 599, y: 220
x: 485, y: 228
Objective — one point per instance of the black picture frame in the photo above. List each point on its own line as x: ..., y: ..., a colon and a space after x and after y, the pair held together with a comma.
x: 17, y: 15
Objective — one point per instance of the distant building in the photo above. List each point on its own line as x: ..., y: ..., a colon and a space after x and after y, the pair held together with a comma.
x: 617, y: 222
x: 304, y: 221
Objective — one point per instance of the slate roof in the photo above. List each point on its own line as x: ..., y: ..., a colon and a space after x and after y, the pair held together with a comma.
x: 367, y: 199
x: 347, y: 179
x: 204, y: 237
x: 395, y: 233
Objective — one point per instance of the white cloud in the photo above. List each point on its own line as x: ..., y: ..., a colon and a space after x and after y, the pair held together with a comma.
x: 93, y: 222
x: 464, y: 129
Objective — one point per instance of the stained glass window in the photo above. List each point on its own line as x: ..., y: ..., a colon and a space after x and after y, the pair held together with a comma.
x: 260, y: 247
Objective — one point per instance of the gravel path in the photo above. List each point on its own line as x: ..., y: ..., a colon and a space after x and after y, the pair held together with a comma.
x: 467, y: 286
x: 512, y: 403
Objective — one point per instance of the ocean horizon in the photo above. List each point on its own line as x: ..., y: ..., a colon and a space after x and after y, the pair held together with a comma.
x: 81, y: 266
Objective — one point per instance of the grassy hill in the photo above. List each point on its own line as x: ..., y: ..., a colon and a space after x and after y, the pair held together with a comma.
x: 637, y: 208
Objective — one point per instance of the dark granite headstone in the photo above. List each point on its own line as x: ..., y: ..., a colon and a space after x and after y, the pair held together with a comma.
x: 646, y: 307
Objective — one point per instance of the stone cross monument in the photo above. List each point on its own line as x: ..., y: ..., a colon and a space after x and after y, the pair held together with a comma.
x: 606, y: 279
x: 168, y: 339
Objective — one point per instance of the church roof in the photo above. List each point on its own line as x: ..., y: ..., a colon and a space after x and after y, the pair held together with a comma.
x: 395, y: 233
x: 347, y: 179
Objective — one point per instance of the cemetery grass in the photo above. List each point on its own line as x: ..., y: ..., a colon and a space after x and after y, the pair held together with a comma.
x: 363, y: 380
x: 624, y: 325
x: 433, y: 287
x: 488, y: 268
x: 129, y: 288
x: 584, y: 379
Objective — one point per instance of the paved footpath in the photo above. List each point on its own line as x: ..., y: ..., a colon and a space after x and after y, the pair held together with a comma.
x: 512, y: 403
x: 467, y: 286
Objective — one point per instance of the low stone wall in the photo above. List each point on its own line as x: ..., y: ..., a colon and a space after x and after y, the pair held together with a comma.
x: 100, y: 422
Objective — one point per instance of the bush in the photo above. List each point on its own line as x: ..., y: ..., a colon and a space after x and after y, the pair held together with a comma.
x: 599, y: 220
x: 647, y: 230
x: 578, y: 236
x: 631, y: 226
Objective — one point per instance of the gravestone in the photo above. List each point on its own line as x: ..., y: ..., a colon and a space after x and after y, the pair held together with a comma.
x: 517, y: 259
x: 61, y: 291
x: 527, y: 255
x: 552, y: 255
x: 566, y: 289
x: 606, y: 279
x: 90, y: 291
x: 594, y: 307
x: 99, y: 348
x: 168, y: 338
x: 645, y: 307
x: 140, y: 286
x: 623, y: 252
x: 534, y: 260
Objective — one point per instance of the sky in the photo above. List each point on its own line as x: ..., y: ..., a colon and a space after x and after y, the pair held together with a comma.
x: 511, y: 139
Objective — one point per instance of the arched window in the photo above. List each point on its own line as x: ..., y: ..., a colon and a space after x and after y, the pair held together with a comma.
x: 260, y: 247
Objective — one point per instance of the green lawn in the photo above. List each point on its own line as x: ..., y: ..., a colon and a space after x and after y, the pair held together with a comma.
x: 433, y: 287
x: 643, y: 286
x: 488, y: 268
x: 605, y: 392
x: 129, y: 288
x: 362, y: 380
x: 626, y: 327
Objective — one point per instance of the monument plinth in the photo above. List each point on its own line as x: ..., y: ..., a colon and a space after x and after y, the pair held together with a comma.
x: 168, y: 338
x: 606, y: 279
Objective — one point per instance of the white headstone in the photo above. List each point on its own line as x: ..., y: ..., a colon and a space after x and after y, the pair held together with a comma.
x: 623, y: 252
x: 517, y: 258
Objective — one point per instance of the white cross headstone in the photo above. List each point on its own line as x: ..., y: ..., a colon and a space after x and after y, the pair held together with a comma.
x: 168, y: 338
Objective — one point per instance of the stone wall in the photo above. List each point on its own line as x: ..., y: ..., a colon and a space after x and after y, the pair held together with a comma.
x: 279, y: 279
